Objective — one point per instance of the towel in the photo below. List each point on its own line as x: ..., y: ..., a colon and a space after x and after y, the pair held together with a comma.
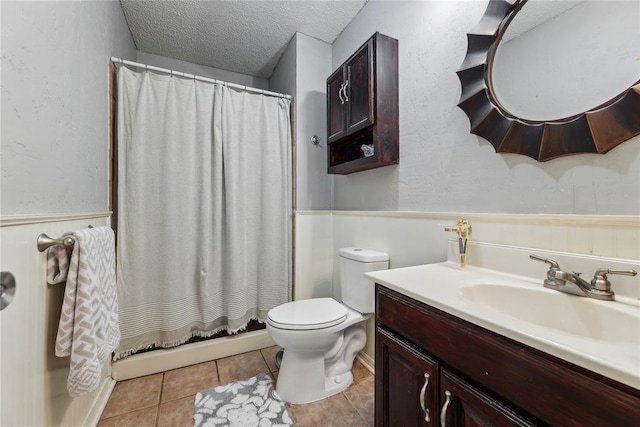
x: 57, y: 264
x: 88, y: 330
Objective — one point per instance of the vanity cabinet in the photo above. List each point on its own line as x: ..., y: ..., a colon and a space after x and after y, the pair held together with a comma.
x: 362, y: 108
x: 408, y: 377
x: 412, y: 387
x: 480, y: 378
x: 468, y: 406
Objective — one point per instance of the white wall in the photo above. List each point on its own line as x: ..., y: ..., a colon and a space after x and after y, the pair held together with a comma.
x: 202, y: 70
x: 445, y: 168
x: 314, y: 255
x: 54, y: 103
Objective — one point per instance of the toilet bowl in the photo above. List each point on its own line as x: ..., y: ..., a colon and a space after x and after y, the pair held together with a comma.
x: 321, y: 336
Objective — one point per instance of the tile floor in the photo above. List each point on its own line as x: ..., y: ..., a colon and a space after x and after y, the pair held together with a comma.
x: 166, y: 399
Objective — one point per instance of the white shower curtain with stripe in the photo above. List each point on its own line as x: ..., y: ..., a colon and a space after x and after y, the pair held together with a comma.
x: 204, y: 208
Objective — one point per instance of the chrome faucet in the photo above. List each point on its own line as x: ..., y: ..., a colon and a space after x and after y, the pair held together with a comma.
x: 572, y: 283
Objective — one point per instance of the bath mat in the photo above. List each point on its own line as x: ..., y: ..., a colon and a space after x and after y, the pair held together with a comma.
x: 248, y: 403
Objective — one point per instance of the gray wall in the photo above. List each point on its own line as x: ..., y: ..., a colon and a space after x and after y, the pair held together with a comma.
x: 202, y: 70
x: 54, y: 133
x: 445, y: 168
x: 283, y: 78
x: 313, y: 68
x: 302, y: 72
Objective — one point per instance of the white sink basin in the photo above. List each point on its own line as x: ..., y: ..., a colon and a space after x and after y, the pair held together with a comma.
x: 588, y: 318
x: 602, y: 336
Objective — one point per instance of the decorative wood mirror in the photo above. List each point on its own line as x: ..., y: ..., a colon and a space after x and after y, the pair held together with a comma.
x: 597, y: 126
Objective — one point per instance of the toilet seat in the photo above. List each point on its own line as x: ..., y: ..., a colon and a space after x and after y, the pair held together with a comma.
x: 314, y: 313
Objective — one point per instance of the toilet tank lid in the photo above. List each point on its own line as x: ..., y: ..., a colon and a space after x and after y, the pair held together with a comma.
x: 363, y: 255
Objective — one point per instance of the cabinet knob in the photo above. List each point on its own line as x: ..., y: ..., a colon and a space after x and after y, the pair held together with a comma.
x: 427, y: 418
x: 340, y: 93
x: 346, y: 97
x: 443, y: 411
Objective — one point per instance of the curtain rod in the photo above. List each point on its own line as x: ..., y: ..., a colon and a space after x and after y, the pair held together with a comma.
x: 194, y: 77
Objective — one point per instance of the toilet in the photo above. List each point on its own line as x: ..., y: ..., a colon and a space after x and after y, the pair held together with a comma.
x: 320, y: 336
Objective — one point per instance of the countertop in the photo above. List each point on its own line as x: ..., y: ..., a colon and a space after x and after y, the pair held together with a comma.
x: 444, y: 286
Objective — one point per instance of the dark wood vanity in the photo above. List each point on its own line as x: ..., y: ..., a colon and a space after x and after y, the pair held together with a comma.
x: 434, y: 369
x: 362, y: 108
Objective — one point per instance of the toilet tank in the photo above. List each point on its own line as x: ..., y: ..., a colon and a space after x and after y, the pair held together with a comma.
x: 357, y: 291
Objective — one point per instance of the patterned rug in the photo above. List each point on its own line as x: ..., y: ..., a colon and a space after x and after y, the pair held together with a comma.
x: 248, y: 403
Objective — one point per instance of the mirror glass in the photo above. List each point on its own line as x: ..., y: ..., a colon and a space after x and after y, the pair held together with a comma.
x: 560, y: 58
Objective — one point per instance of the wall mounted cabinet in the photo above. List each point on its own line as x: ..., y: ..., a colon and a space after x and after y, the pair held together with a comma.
x: 434, y: 369
x: 362, y: 108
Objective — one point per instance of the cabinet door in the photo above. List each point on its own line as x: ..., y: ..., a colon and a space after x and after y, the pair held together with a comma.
x: 336, y: 120
x: 360, y: 91
x: 406, y: 384
x: 464, y: 405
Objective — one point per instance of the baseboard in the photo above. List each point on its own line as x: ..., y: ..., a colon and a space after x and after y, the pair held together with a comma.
x: 368, y: 362
x: 93, y: 417
x: 162, y: 360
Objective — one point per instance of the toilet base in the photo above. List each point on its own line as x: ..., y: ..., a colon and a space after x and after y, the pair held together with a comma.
x: 315, y: 390
x: 338, y: 383
x: 306, y: 377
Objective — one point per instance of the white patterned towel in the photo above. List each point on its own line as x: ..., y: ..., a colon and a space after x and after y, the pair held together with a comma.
x: 88, y: 329
x: 57, y: 264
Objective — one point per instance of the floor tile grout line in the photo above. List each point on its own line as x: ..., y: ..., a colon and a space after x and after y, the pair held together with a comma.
x: 161, y: 388
x: 355, y: 409
x: 135, y: 409
x: 160, y: 400
x: 265, y: 360
x: 129, y: 412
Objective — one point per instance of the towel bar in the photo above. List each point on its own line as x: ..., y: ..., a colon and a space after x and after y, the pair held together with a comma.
x: 43, y: 241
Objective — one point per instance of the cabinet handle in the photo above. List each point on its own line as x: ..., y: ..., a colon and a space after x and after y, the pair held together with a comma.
x: 346, y: 98
x: 427, y: 418
x: 443, y: 411
x: 340, y: 93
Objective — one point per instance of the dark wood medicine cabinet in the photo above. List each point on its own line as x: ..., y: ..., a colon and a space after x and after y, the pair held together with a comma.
x: 362, y: 109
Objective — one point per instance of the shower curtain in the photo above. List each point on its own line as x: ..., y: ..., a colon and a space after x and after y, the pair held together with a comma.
x: 204, y: 208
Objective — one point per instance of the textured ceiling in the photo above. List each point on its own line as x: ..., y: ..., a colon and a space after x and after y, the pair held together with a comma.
x: 243, y: 36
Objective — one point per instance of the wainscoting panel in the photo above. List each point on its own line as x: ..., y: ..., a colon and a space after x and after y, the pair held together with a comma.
x: 33, y: 381
x: 613, y: 236
x: 314, y: 255
x: 414, y: 238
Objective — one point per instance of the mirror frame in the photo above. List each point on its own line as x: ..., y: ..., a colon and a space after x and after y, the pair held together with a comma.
x: 597, y: 130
